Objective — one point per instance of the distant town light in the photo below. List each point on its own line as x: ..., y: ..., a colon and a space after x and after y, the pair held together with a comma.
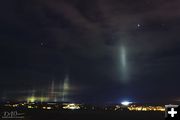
x: 72, y: 106
x: 49, y: 108
x: 146, y: 108
x: 30, y: 107
x: 126, y: 103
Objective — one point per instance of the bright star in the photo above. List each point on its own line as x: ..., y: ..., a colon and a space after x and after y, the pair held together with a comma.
x: 138, y: 25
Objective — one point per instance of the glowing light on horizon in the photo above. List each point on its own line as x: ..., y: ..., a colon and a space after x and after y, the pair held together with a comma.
x: 31, y: 99
x: 36, y: 99
x: 126, y: 103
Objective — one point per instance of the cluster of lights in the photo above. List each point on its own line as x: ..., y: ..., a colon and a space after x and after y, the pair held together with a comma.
x: 71, y: 106
x: 47, y: 108
x: 15, y: 105
x: 31, y: 107
x: 117, y: 107
x: 146, y: 108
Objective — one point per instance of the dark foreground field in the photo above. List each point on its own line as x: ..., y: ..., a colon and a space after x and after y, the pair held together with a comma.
x: 85, y: 115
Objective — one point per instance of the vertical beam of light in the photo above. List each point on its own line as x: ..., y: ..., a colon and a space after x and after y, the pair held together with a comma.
x: 123, y: 57
x: 123, y: 64
x: 52, y: 89
x: 52, y: 92
x: 65, y: 87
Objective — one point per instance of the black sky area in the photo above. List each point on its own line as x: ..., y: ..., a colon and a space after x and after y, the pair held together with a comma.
x: 110, y: 49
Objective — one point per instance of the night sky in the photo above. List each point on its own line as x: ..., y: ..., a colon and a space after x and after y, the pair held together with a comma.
x: 110, y: 50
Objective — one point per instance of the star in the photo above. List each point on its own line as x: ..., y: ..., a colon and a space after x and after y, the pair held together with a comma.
x: 42, y: 43
x: 138, y: 25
